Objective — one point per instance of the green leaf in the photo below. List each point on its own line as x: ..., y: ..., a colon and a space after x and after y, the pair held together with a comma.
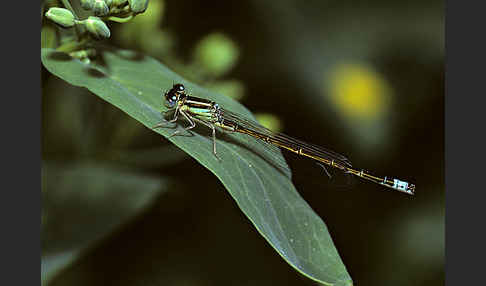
x: 258, y: 179
x: 83, y: 203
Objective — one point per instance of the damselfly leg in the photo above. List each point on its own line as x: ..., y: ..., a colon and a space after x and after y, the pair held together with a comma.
x: 213, y: 135
x: 192, y: 123
x: 162, y: 124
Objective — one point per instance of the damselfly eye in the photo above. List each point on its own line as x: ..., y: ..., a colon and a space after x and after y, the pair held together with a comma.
x: 174, y: 94
x: 170, y: 98
x: 178, y: 87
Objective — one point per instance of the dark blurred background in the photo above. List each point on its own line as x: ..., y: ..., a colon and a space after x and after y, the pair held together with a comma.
x: 365, y: 79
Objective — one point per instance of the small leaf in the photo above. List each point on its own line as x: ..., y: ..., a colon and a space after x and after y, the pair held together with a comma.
x: 257, y: 179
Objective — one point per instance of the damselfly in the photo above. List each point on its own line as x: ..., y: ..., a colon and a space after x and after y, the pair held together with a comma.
x: 209, y: 113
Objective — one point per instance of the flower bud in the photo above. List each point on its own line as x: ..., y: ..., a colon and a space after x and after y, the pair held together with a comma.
x: 83, y: 55
x: 96, y: 27
x: 87, y: 4
x: 61, y: 16
x: 100, y: 8
x: 138, y: 6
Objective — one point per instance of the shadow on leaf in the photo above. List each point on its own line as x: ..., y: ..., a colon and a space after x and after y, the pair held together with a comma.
x: 59, y: 56
x: 95, y: 73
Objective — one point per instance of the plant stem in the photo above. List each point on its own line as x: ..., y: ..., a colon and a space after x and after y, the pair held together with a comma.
x: 69, y: 7
x: 120, y: 20
x: 67, y: 4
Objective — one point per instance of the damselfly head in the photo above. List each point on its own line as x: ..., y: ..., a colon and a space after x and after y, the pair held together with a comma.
x: 174, y: 94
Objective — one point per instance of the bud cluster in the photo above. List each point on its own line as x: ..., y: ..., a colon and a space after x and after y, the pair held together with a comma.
x: 103, y: 10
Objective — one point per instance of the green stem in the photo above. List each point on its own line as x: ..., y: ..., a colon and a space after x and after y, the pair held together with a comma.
x: 67, y: 4
x: 69, y: 7
x: 120, y: 20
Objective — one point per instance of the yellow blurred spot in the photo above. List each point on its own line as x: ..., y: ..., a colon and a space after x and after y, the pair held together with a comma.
x: 269, y: 121
x: 358, y: 91
x: 216, y: 53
